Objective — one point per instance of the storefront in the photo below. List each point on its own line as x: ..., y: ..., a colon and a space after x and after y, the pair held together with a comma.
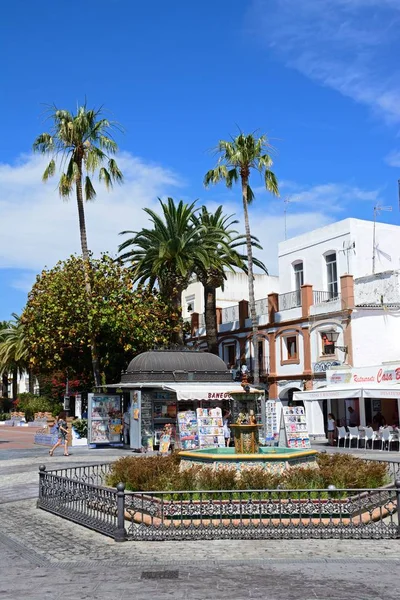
x: 364, y: 396
x: 166, y: 388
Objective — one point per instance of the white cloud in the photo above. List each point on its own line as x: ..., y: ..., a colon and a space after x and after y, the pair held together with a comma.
x: 348, y: 45
x: 38, y: 228
x: 393, y: 158
x: 309, y: 208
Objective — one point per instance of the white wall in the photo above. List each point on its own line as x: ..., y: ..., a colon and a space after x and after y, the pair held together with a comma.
x: 381, y: 288
x: 236, y: 288
x: 376, y: 335
x: 311, y: 248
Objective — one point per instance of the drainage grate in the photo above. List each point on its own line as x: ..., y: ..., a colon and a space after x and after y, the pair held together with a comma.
x: 160, y: 575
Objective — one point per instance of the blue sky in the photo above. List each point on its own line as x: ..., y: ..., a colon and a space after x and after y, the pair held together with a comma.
x: 321, y: 78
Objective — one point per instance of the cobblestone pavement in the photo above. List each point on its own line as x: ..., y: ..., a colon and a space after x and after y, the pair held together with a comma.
x: 43, y: 556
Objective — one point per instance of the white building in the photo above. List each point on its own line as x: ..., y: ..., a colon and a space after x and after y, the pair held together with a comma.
x: 326, y: 285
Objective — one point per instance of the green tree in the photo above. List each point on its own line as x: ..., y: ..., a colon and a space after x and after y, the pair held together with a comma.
x: 4, y: 373
x: 14, y: 355
x: 223, y: 256
x: 81, y: 144
x: 237, y: 158
x: 167, y: 254
x: 125, y: 321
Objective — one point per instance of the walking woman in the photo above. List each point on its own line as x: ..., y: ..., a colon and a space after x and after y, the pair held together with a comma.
x: 62, y: 427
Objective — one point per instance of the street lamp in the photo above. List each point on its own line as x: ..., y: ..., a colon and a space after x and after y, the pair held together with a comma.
x: 332, y: 336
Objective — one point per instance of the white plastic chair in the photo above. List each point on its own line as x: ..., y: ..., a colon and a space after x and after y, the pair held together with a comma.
x: 388, y: 437
x: 342, y: 434
x: 372, y: 436
x: 354, y: 434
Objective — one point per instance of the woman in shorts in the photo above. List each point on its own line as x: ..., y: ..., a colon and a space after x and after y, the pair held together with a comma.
x: 62, y: 428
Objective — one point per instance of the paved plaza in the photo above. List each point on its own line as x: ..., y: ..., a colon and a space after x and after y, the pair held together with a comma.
x: 43, y: 556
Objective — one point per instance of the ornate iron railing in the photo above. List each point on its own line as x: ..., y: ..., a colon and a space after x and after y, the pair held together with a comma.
x: 222, y: 514
x: 290, y: 300
x: 261, y: 307
x: 230, y: 314
x: 321, y: 297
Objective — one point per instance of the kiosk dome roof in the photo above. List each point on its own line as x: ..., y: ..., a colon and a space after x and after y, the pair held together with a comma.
x: 174, y: 365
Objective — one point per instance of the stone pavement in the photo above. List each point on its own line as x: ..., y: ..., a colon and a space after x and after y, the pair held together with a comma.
x: 43, y: 556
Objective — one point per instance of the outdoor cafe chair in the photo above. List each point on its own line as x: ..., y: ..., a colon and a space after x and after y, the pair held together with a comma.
x: 342, y: 434
x: 388, y: 437
x: 372, y: 436
x: 354, y: 434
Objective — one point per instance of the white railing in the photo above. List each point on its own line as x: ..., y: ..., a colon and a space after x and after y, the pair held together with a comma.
x: 230, y: 314
x: 261, y: 307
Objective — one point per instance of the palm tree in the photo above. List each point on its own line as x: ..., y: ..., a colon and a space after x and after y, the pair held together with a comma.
x: 82, y: 144
x: 14, y: 352
x: 4, y: 374
x: 167, y: 253
x: 237, y: 158
x: 223, y: 257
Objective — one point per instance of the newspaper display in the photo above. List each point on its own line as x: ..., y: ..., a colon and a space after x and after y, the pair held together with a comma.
x: 188, y: 430
x: 210, y: 426
x: 271, y: 423
x: 294, y: 419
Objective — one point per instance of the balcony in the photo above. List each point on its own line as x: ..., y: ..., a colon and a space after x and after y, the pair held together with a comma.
x: 289, y: 300
x: 230, y: 314
x: 261, y: 307
x: 325, y: 302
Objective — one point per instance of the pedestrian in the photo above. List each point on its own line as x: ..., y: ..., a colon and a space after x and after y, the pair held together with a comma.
x: 62, y: 429
x: 331, y: 429
x: 225, y: 424
x: 353, y: 422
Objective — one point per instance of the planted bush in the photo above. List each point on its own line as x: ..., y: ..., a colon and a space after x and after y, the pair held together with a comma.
x: 162, y: 473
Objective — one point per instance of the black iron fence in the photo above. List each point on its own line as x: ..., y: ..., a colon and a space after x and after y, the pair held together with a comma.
x: 80, y: 495
x: 289, y: 300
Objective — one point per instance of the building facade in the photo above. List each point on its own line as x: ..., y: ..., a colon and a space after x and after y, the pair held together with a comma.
x: 326, y: 286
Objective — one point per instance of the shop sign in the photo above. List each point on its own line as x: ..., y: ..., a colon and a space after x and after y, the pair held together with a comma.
x: 219, y: 396
x: 378, y: 375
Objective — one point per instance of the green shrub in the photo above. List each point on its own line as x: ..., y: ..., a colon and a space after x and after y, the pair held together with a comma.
x: 162, y: 473
x: 81, y: 427
x: 216, y: 479
x: 258, y: 479
x: 5, y: 405
x: 346, y: 471
x: 5, y: 416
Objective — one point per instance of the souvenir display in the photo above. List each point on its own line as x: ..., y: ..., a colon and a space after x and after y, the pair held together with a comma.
x: 211, y: 432
x: 105, y: 419
x: 271, y: 423
x: 295, y: 425
x: 187, y: 428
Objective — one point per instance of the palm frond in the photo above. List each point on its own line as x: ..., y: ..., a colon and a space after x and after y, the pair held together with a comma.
x: 49, y: 171
x: 90, y: 192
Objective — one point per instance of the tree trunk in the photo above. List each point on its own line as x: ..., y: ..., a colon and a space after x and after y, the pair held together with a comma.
x: 252, y: 302
x: 210, y: 307
x: 15, y: 384
x: 86, y: 270
x: 4, y: 385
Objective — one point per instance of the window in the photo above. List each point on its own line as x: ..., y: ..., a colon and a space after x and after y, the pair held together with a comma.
x: 291, y: 345
x: 327, y: 346
x: 230, y: 354
x: 331, y: 270
x: 298, y: 275
x: 189, y: 303
x: 261, y: 357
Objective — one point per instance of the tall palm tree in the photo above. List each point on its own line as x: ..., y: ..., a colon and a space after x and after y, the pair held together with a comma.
x: 167, y: 253
x: 237, y: 158
x: 14, y: 351
x: 81, y: 144
x: 223, y: 257
x: 4, y: 372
